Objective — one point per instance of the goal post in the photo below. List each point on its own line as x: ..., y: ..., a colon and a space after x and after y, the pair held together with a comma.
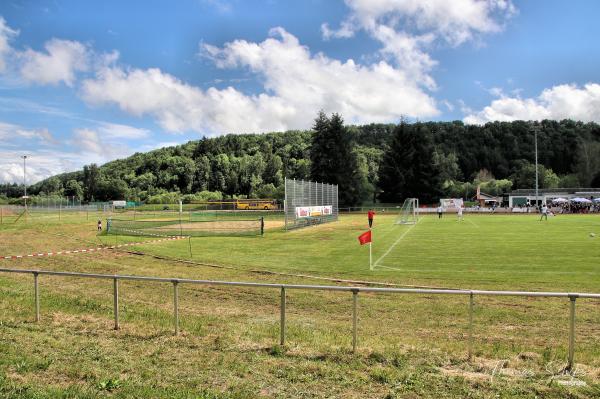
x: 409, y: 213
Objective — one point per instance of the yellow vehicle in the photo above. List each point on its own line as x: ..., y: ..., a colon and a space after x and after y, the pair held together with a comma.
x: 256, y: 204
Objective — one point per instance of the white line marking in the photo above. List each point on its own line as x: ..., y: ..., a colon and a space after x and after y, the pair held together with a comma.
x: 391, y: 268
x: 473, y: 223
x: 480, y: 271
x: 394, y: 244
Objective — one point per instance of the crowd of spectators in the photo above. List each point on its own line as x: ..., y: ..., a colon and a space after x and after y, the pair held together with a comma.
x: 576, y: 207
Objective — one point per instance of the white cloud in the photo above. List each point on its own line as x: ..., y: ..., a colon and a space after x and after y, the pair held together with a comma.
x: 10, y: 132
x: 6, y: 34
x: 559, y: 102
x: 88, y: 141
x: 454, y: 21
x: 41, y: 164
x: 84, y: 147
x: 60, y: 62
x: 43, y: 135
x: 114, y: 130
x: 406, y: 29
x: 297, y: 84
x: 7, y: 130
x: 106, y: 147
x: 448, y: 105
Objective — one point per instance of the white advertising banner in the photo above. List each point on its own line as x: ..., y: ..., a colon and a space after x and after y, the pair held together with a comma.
x: 452, y: 202
x: 311, y: 211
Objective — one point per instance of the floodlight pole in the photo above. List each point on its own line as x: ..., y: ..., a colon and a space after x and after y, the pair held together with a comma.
x: 536, y: 166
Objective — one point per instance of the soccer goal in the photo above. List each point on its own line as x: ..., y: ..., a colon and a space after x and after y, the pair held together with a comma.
x: 409, y: 214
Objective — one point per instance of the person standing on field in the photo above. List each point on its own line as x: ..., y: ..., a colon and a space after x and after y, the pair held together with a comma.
x: 544, y: 212
x: 99, y: 225
x: 370, y: 216
x: 460, y: 213
x: 439, y: 211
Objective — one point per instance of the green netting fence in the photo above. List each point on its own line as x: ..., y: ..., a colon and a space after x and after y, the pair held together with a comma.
x: 177, y: 227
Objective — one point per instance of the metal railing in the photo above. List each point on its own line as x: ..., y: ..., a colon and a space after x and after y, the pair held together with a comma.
x: 283, y: 287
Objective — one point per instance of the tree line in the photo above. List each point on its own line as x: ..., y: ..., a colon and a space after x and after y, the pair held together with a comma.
x: 376, y: 162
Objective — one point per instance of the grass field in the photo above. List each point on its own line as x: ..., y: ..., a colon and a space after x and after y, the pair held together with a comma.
x: 409, y: 346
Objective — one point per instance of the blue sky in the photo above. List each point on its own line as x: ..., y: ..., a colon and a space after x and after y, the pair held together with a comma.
x: 84, y: 82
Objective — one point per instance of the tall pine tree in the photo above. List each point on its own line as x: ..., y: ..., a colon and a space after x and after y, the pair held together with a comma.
x: 333, y: 160
x: 408, y: 169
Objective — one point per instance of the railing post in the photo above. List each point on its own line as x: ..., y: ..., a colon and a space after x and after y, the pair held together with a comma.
x: 354, y: 320
x: 36, y: 294
x: 116, y: 301
x: 176, y: 306
x: 282, y: 318
x: 572, y: 299
x: 470, y: 343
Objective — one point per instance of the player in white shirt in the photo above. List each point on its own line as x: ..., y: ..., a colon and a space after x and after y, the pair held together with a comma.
x: 460, y: 213
x: 544, y: 212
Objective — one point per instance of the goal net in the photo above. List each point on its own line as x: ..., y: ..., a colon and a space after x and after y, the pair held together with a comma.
x: 409, y: 213
x: 170, y: 228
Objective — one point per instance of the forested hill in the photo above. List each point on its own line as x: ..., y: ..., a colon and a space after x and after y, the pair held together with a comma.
x: 499, y: 154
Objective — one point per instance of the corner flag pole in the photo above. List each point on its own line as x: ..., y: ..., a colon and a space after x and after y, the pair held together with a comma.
x: 371, y: 252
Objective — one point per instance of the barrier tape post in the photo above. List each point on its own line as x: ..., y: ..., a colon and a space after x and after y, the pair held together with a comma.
x: 176, y: 306
x: 116, y: 301
x: 354, y: 320
x: 571, y: 333
x: 282, y: 318
x: 36, y: 294
x: 470, y: 344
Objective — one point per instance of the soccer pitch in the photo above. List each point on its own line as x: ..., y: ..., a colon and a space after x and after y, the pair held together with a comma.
x: 481, y: 252
x: 409, y: 345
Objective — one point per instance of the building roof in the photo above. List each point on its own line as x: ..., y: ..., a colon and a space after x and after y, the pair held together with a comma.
x: 555, y: 191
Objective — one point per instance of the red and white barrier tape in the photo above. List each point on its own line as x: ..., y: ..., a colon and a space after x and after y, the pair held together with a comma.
x: 76, y: 251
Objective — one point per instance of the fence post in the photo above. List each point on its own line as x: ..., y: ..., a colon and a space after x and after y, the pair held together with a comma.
x: 354, y: 319
x: 116, y: 301
x: 470, y: 344
x: 282, y: 318
x: 176, y: 306
x: 36, y: 294
x: 572, y: 299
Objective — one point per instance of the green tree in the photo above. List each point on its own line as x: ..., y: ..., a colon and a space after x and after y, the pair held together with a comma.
x: 74, y: 189
x: 91, y: 176
x: 408, y: 169
x: 113, y: 189
x: 588, y: 161
x: 524, y: 176
x: 203, y: 172
x: 144, y: 181
x: 333, y: 160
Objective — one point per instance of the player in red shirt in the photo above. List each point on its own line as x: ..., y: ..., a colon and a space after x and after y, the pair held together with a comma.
x: 370, y: 215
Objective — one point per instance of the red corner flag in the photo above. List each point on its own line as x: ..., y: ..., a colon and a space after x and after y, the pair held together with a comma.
x: 365, y: 238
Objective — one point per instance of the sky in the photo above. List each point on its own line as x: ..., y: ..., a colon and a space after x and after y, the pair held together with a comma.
x: 84, y: 82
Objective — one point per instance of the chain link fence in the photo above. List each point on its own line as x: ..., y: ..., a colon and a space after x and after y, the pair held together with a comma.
x: 308, y: 203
